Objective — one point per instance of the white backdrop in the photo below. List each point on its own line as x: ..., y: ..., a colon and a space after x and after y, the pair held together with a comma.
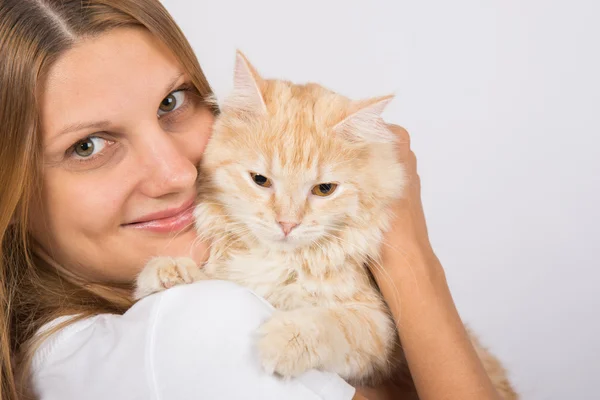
x: 502, y: 100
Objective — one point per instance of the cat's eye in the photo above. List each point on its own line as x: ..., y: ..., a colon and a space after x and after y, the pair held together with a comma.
x: 261, y: 180
x: 324, y: 189
x: 172, y: 102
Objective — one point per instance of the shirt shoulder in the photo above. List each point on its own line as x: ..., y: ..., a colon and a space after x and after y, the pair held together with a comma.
x: 191, y: 341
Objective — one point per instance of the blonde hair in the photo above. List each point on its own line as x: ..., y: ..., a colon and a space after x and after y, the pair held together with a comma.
x: 33, y: 289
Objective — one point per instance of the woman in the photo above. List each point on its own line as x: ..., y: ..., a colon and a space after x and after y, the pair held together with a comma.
x: 103, y: 121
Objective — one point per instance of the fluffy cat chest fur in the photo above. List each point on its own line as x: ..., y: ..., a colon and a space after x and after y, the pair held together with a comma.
x: 290, y: 281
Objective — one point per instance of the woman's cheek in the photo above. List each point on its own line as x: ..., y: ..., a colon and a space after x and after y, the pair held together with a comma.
x: 194, y: 142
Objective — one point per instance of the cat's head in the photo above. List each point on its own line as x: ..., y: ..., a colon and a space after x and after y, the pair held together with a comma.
x: 295, y: 165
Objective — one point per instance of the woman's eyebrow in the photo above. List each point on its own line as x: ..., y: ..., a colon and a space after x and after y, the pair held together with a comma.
x: 101, y: 125
x: 80, y: 125
x: 173, y: 83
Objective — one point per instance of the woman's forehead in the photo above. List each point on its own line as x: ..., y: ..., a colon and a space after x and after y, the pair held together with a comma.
x: 117, y: 70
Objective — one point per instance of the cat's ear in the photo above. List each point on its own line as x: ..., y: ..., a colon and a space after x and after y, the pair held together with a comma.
x: 246, y: 95
x: 364, y: 124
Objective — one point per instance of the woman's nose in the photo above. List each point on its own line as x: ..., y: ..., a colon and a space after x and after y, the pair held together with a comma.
x: 166, y: 166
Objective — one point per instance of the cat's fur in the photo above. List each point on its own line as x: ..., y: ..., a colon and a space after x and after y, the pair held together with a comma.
x: 330, y: 315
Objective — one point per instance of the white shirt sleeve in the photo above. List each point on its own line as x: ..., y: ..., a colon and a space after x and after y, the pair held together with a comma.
x: 189, y: 342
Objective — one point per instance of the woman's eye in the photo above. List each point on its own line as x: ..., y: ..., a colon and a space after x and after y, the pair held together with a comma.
x: 89, y: 146
x: 324, y: 189
x: 261, y: 180
x: 172, y: 102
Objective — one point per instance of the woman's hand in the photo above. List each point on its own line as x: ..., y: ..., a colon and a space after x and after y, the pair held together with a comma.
x: 440, y: 356
x: 408, y: 238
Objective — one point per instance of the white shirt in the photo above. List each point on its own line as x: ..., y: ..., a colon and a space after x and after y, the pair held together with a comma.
x: 189, y: 342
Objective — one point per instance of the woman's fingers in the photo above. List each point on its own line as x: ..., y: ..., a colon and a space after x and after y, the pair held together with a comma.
x: 403, y: 140
x: 402, y: 134
x: 406, y: 155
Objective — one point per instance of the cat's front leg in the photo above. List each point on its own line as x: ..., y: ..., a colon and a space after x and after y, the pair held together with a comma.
x: 354, y: 341
x: 161, y: 273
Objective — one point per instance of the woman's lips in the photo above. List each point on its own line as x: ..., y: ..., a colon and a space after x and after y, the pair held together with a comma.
x: 173, y: 220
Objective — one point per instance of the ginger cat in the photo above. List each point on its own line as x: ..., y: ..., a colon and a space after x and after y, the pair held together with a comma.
x: 294, y: 193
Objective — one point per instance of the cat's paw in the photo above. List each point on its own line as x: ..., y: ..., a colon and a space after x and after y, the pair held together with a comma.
x: 285, y: 348
x: 161, y: 273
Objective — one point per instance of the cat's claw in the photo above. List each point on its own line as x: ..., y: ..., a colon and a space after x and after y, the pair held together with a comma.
x: 283, y: 348
x: 161, y: 273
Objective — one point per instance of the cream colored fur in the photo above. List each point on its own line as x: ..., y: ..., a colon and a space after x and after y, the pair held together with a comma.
x: 330, y: 315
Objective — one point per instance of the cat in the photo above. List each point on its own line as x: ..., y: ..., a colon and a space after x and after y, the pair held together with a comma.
x: 294, y: 191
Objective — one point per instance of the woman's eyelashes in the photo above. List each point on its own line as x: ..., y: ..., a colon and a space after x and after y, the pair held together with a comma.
x: 178, y: 105
x: 90, y: 152
x: 172, y: 102
x: 90, y: 147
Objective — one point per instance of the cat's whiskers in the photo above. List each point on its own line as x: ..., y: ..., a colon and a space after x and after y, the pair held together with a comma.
x: 215, y: 237
x: 208, y: 235
x: 223, y: 250
x: 179, y: 232
x: 316, y: 242
x: 232, y: 234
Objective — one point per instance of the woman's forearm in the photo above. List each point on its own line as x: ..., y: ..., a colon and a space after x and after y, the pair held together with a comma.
x: 440, y: 356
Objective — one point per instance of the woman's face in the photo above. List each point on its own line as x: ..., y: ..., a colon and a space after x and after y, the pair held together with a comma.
x: 123, y: 131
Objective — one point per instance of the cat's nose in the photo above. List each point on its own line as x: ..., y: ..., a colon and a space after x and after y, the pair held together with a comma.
x: 287, y: 226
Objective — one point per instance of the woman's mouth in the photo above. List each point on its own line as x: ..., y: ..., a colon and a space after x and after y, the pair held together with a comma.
x: 167, y: 221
